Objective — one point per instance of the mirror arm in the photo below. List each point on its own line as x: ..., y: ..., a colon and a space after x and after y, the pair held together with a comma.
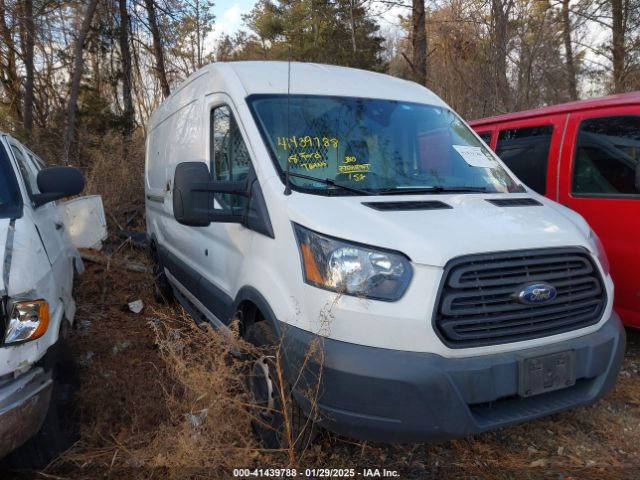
x: 237, y: 188
x: 40, y: 199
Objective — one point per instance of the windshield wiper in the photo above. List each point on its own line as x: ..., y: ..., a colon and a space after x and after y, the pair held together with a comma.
x: 433, y: 189
x: 328, y: 181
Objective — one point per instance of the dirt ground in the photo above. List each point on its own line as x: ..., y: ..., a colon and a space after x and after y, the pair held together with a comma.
x: 160, y: 399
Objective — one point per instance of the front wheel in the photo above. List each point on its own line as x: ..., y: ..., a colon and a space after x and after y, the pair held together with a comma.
x: 279, y: 421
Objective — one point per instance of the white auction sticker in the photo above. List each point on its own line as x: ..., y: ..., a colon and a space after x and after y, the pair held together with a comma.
x: 474, y: 156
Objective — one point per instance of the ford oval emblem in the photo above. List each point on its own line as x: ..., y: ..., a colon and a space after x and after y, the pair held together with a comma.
x: 537, y: 293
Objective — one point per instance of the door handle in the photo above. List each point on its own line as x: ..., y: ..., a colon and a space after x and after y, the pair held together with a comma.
x: 59, y: 225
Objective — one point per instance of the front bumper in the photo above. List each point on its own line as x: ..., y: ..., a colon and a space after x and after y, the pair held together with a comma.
x: 24, y: 402
x: 397, y: 396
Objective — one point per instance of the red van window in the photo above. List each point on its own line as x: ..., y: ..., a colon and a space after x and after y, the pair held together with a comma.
x: 526, y: 152
x: 486, y: 137
x: 607, y: 160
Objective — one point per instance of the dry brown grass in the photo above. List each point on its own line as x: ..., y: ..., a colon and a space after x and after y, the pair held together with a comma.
x: 114, y: 168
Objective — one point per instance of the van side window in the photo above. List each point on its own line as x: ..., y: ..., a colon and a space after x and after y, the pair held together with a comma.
x: 526, y: 152
x: 607, y: 160
x: 28, y: 170
x: 230, y: 158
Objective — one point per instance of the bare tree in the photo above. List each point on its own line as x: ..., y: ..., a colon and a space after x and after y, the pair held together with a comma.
x: 29, y: 40
x: 77, y: 76
x: 157, y: 48
x: 125, y: 57
x: 419, y: 41
x: 500, y: 10
x: 568, y: 51
x: 619, y: 9
x: 8, y: 64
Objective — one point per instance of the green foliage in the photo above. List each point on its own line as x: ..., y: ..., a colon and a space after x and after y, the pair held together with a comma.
x: 324, y: 31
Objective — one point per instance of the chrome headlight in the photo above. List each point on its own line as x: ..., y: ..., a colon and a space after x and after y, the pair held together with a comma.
x: 27, y: 320
x: 352, y: 269
x: 600, y: 252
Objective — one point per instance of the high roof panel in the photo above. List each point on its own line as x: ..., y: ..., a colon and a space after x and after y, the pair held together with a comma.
x: 316, y: 79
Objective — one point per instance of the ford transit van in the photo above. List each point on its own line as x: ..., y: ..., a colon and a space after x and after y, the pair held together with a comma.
x: 357, y: 213
x: 585, y: 155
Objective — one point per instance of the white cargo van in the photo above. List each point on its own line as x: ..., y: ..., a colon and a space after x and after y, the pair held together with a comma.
x: 38, y: 258
x: 319, y: 202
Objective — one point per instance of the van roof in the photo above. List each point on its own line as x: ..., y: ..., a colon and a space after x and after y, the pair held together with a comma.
x: 313, y: 78
x: 271, y: 77
x: 610, y: 101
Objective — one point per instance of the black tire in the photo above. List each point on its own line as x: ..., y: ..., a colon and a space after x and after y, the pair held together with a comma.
x: 59, y: 429
x: 269, y: 425
x: 162, y: 291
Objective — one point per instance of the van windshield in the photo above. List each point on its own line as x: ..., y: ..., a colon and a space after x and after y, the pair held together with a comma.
x: 10, y: 202
x: 347, y: 145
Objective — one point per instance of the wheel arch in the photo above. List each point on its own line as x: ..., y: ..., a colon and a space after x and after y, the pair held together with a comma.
x: 253, y: 307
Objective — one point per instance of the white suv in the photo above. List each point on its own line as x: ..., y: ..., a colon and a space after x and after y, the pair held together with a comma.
x: 316, y: 202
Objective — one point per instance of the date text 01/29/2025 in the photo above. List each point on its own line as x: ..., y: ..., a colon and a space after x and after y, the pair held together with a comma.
x: 313, y: 473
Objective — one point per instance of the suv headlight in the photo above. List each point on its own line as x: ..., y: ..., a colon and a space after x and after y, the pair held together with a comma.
x: 352, y: 269
x: 27, y: 320
x: 600, y: 252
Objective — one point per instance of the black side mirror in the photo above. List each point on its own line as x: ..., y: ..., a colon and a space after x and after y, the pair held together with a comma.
x: 55, y: 183
x: 193, y: 196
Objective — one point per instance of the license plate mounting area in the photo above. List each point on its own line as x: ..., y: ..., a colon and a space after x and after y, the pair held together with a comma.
x: 546, y: 373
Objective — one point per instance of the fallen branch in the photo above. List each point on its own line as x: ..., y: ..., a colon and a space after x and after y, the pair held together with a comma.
x: 131, y: 266
x: 137, y: 239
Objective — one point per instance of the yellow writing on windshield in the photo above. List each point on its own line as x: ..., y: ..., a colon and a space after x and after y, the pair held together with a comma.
x: 288, y: 143
x: 353, y: 168
x: 296, y: 158
x: 357, y: 177
x: 307, y: 161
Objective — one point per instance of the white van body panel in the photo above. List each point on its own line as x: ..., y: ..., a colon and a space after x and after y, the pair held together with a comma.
x: 405, y: 324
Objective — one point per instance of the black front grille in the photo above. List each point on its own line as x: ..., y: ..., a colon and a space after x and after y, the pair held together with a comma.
x: 477, y: 304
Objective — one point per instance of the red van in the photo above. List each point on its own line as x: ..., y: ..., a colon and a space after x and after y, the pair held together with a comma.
x: 585, y: 155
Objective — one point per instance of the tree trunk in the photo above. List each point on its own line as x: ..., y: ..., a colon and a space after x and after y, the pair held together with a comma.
x: 419, y: 41
x: 29, y: 40
x: 8, y: 65
x: 77, y: 76
x: 198, y: 35
x: 568, y: 51
x: 352, y: 19
x: 617, y: 49
x: 125, y: 57
x: 500, y: 10
x: 157, y: 48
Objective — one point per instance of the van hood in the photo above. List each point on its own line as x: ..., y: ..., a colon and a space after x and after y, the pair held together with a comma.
x: 433, y: 237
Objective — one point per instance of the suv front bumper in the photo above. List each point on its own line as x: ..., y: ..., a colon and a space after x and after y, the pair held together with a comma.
x: 24, y: 402
x: 397, y: 396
